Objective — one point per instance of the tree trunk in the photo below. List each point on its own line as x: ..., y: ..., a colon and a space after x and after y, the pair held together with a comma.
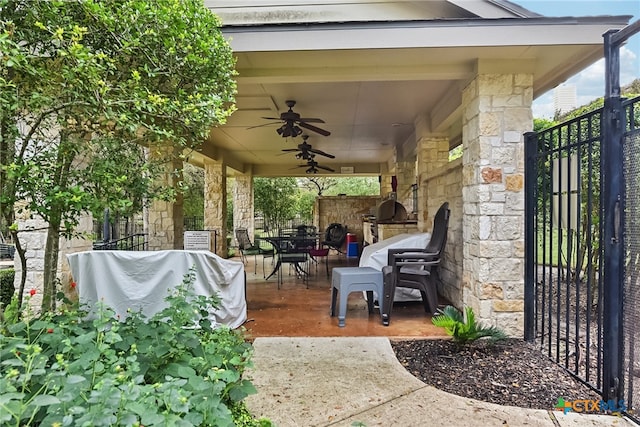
x: 23, y: 265
x: 52, y: 248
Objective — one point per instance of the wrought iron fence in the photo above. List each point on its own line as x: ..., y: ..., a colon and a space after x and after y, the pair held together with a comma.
x: 564, y: 281
x: 120, y: 227
x: 134, y: 242
x: 565, y: 246
x: 193, y: 223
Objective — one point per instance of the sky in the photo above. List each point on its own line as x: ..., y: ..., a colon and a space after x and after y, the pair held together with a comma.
x: 590, y: 82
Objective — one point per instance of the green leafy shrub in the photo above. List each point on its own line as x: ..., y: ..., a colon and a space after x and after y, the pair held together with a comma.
x: 86, y: 368
x: 465, y: 331
x: 6, y: 286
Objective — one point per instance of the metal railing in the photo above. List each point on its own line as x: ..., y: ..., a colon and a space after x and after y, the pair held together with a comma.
x: 135, y: 242
x: 192, y: 223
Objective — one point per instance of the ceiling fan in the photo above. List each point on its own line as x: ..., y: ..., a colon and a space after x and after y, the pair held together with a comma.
x: 292, y: 123
x: 313, y: 166
x: 306, y: 151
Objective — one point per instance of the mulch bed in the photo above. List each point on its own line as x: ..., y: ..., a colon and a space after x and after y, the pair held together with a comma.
x: 512, y: 372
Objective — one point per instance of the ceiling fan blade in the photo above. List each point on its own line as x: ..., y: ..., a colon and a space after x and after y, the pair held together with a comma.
x: 271, y: 118
x: 322, y: 153
x: 310, y: 120
x: 289, y: 150
x: 325, y: 168
x: 264, y: 124
x: 314, y: 128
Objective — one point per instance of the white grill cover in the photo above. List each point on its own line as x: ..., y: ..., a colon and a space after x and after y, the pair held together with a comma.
x: 141, y: 280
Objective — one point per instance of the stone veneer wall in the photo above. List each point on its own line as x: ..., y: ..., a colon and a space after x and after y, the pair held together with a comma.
x: 388, y: 230
x: 445, y: 185
x: 33, y: 236
x: 346, y: 210
x: 406, y: 176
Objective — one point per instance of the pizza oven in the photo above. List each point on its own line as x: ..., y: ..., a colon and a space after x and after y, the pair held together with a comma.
x: 390, y: 210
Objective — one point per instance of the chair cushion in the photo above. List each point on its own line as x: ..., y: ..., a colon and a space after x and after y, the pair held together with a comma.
x: 319, y: 252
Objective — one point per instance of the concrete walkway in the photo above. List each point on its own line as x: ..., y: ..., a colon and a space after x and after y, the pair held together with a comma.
x: 344, y: 381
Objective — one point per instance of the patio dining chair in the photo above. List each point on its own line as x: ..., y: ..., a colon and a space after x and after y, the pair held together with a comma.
x: 316, y: 253
x: 248, y: 248
x: 335, y: 236
x: 417, y: 268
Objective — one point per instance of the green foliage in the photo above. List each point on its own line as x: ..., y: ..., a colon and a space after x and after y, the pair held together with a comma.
x: 305, y: 202
x: 84, y: 85
x: 540, y: 124
x: 7, y: 290
x: 355, y: 186
x: 275, y: 198
x: 86, y: 368
x: 456, y: 153
x: 193, y: 204
x: 465, y: 331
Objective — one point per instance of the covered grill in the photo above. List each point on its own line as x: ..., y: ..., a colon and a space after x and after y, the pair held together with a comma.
x: 387, y: 212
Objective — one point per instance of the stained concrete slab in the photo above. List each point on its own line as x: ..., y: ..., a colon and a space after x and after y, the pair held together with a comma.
x: 339, y: 381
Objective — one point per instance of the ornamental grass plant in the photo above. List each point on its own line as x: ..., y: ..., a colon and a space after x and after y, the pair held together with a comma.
x: 464, y: 328
x: 84, y: 367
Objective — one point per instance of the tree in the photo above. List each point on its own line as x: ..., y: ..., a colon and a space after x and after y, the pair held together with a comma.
x: 275, y: 198
x: 320, y: 184
x: 84, y: 85
x: 194, y: 190
x: 305, y: 201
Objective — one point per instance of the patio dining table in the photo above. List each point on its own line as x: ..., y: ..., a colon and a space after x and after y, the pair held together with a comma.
x: 292, y: 249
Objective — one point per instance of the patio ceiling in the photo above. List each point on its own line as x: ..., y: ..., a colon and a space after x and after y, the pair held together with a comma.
x: 378, y: 84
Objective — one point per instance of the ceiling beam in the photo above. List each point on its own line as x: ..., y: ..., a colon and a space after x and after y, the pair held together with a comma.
x: 457, y: 71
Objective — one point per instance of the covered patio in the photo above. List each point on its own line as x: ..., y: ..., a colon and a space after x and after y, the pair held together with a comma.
x: 393, y: 87
x: 296, y: 310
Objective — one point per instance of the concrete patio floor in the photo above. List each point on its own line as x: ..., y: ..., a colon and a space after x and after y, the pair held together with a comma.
x: 296, y: 310
x: 346, y: 381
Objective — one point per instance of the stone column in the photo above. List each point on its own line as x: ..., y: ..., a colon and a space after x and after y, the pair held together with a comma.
x: 243, y: 211
x: 432, y: 153
x: 385, y: 184
x: 165, y: 224
x: 497, y: 111
x: 215, y: 202
x: 406, y: 177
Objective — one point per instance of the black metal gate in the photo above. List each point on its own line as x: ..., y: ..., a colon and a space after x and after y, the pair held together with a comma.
x: 577, y: 317
x: 563, y: 284
x: 631, y: 287
x: 582, y: 256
